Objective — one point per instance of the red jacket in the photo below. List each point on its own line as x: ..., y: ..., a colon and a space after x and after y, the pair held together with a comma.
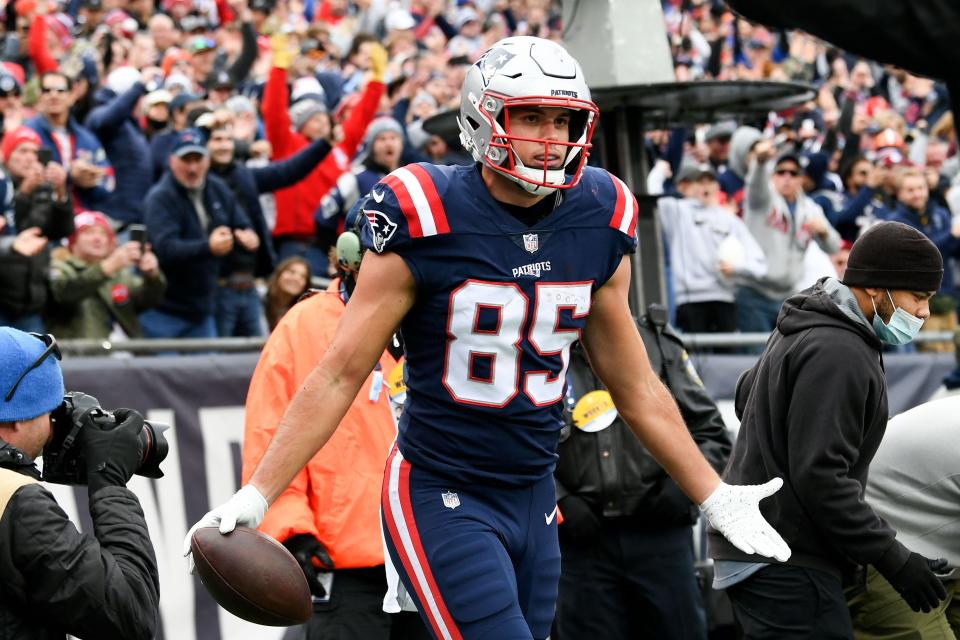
x: 297, y: 205
x: 37, y: 46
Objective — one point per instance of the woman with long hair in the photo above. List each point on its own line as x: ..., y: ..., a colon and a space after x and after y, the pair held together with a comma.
x: 289, y: 281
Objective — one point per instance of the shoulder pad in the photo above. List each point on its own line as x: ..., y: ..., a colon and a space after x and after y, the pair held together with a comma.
x: 614, y: 197
x: 625, y: 209
x: 403, y: 206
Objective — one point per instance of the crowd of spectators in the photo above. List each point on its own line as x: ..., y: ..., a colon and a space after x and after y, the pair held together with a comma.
x: 240, y: 132
x: 875, y: 143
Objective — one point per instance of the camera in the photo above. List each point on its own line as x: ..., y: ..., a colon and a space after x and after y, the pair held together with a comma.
x: 63, y: 457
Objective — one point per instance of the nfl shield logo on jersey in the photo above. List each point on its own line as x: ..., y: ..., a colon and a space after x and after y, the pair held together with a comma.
x: 531, y: 242
x: 450, y: 499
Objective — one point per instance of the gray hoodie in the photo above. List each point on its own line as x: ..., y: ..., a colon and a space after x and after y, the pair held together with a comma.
x: 741, y: 142
x: 782, y: 236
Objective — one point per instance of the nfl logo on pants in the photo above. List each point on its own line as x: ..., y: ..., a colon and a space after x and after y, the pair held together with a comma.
x: 450, y: 499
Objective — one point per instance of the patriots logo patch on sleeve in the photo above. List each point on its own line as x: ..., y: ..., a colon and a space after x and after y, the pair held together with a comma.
x: 381, y: 227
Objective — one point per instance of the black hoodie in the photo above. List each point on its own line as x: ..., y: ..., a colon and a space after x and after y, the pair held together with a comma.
x: 813, y: 411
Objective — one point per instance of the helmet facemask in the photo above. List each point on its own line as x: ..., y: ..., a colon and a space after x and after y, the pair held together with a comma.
x: 501, y: 156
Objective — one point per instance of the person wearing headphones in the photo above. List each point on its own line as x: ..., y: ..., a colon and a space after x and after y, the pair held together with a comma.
x: 329, y: 516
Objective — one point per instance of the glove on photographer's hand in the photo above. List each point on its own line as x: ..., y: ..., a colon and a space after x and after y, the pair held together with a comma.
x: 305, y: 548
x: 917, y: 584
x: 113, y: 455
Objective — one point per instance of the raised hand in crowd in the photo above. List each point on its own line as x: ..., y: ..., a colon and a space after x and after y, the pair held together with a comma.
x: 242, y: 10
x: 280, y: 49
x: 148, y: 265
x: 29, y: 242
x: 221, y: 241
x: 126, y: 255
x: 764, y: 150
x: 32, y: 179
x: 377, y: 60
x: 57, y: 177
x: 261, y: 149
x: 85, y: 174
x: 247, y: 238
x: 151, y: 77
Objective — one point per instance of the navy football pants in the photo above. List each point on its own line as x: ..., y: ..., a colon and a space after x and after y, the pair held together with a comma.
x: 479, y: 561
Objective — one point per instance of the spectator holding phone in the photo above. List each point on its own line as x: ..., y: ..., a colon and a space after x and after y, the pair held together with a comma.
x: 101, y: 286
x: 72, y: 146
x: 41, y: 211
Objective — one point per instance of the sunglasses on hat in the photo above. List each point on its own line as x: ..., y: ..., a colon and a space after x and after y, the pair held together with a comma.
x: 52, y: 349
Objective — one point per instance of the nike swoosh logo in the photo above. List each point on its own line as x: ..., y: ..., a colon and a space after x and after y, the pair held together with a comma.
x: 378, y: 196
x: 549, y: 518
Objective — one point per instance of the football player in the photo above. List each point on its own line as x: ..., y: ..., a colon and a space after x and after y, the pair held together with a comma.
x: 492, y: 271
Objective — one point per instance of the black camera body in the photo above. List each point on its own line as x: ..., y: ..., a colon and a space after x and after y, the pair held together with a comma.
x: 63, y: 457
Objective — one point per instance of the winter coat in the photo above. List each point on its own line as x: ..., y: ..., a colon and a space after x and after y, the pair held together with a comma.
x: 127, y: 150
x: 183, y: 246
x: 85, y: 302
x: 86, y: 146
x: 813, y: 411
x: 58, y: 581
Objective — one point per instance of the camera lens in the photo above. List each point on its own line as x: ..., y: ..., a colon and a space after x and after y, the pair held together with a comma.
x: 155, y: 447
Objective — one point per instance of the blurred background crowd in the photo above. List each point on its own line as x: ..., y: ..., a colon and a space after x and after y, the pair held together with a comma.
x: 182, y: 168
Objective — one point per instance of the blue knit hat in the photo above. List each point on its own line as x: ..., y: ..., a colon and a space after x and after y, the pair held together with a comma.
x: 41, y: 391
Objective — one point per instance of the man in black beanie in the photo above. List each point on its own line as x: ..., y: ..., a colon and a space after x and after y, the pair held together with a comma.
x: 813, y: 411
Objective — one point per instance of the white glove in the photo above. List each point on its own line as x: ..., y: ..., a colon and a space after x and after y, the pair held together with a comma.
x: 245, y: 508
x: 734, y: 511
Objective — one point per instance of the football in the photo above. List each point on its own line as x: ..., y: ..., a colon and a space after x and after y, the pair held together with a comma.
x: 252, y: 576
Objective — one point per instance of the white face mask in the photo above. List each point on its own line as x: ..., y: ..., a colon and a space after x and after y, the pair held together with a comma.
x: 902, y: 328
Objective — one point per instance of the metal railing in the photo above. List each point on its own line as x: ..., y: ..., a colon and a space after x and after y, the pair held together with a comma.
x: 693, y: 342
x: 160, y: 345
x: 698, y: 341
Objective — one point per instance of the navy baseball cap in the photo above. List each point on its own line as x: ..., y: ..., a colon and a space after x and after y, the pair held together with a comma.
x: 189, y: 141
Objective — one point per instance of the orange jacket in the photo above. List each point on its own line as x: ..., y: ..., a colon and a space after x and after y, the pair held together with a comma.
x: 336, y: 497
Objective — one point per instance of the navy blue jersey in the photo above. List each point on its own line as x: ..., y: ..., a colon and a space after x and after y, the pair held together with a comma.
x: 498, y: 305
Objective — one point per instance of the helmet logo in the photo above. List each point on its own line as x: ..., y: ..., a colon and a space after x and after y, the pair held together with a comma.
x: 492, y: 61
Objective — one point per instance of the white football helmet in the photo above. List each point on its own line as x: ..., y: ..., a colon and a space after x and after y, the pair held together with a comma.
x: 525, y: 71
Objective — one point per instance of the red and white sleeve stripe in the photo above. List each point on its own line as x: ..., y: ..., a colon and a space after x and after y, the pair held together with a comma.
x: 625, y: 211
x: 419, y: 201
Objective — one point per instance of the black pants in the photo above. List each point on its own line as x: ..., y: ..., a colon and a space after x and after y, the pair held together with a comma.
x: 355, y: 611
x: 631, y: 584
x: 790, y: 603
x: 707, y: 317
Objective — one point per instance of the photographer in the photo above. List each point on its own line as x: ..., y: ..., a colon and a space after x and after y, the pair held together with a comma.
x: 56, y: 580
x: 42, y: 212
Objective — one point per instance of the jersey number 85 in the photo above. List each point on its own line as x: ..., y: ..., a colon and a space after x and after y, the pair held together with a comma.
x: 501, y: 345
